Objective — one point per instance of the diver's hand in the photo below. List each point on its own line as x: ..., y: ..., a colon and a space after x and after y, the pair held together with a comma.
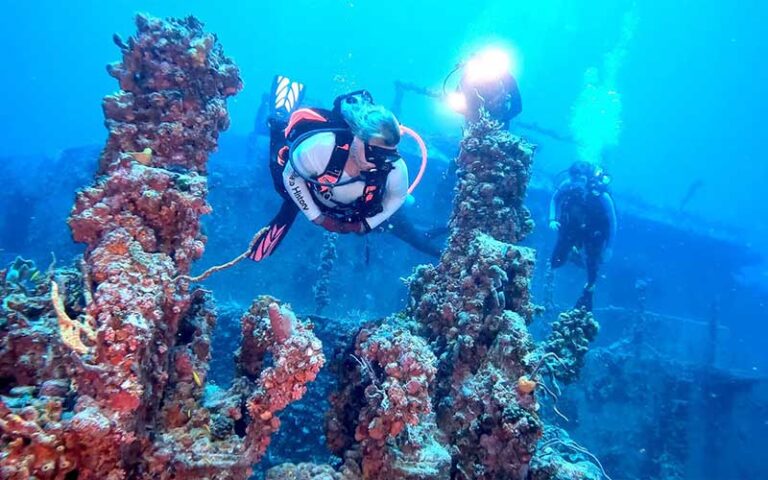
x: 337, y: 226
x: 328, y: 223
x: 554, y: 225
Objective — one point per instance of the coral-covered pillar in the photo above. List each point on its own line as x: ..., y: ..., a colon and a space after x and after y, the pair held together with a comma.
x: 140, y: 221
x: 494, y: 168
x: 473, y: 308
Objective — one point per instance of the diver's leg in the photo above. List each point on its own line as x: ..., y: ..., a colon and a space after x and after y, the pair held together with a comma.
x: 436, y: 232
x: 593, y: 250
x: 563, y: 247
x: 400, y: 226
x: 285, y: 96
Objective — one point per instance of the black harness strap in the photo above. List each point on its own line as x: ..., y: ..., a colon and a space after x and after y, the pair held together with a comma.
x: 369, y: 204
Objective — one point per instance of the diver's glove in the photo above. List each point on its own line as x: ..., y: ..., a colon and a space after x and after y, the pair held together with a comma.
x: 554, y: 225
x: 337, y: 226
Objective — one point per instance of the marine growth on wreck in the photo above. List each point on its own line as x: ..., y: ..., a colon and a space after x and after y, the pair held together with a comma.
x: 129, y: 361
x: 107, y: 360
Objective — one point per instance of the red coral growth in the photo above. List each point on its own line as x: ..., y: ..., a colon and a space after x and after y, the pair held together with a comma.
x: 207, y: 442
x: 396, y: 370
x: 141, y: 223
x: 281, y: 322
x: 297, y: 358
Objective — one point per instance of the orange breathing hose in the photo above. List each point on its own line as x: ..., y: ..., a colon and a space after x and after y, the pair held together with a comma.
x: 423, y: 148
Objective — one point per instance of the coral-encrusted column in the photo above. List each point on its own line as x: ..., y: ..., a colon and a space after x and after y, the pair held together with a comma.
x: 494, y: 170
x: 473, y: 308
x: 141, y: 223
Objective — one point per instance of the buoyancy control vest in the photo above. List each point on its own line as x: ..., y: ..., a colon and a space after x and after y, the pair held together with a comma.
x: 306, y: 122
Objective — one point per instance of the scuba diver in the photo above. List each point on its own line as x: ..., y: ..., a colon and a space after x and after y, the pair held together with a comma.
x: 340, y: 167
x: 582, y: 213
x: 486, y: 83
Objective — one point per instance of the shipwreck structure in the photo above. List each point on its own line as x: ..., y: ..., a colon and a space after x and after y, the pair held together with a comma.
x: 103, y: 366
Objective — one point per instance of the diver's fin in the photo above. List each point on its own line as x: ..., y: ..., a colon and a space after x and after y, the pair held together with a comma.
x: 273, y: 235
x: 286, y: 96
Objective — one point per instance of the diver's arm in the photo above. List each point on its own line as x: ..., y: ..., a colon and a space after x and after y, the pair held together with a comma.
x: 397, y: 191
x: 553, y: 208
x: 610, y: 211
x: 310, y: 158
x: 555, y: 204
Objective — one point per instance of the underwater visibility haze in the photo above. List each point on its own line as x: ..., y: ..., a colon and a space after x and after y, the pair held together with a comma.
x: 352, y: 239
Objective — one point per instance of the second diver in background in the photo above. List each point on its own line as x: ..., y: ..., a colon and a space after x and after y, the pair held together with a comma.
x: 582, y: 213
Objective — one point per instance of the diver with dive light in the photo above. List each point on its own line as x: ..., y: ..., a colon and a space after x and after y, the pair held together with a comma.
x: 340, y: 167
x: 486, y: 83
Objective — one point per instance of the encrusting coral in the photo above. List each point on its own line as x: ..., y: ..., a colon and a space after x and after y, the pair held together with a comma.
x: 385, y: 383
x: 469, y: 315
x: 328, y: 256
x: 122, y: 394
x: 446, y: 389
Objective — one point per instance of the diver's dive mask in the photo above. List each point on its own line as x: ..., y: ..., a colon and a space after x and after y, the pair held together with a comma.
x: 380, y: 156
x: 352, y: 98
x: 599, y: 181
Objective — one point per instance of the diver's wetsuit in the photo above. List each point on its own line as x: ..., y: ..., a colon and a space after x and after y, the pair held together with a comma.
x: 402, y: 227
x: 391, y: 220
x: 587, y: 223
x: 311, y: 158
x: 355, y: 206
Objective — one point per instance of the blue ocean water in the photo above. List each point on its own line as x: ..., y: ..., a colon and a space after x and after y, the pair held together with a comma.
x: 666, y: 95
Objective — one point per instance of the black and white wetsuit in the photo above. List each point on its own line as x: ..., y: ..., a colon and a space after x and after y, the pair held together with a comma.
x: 311, y: 158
